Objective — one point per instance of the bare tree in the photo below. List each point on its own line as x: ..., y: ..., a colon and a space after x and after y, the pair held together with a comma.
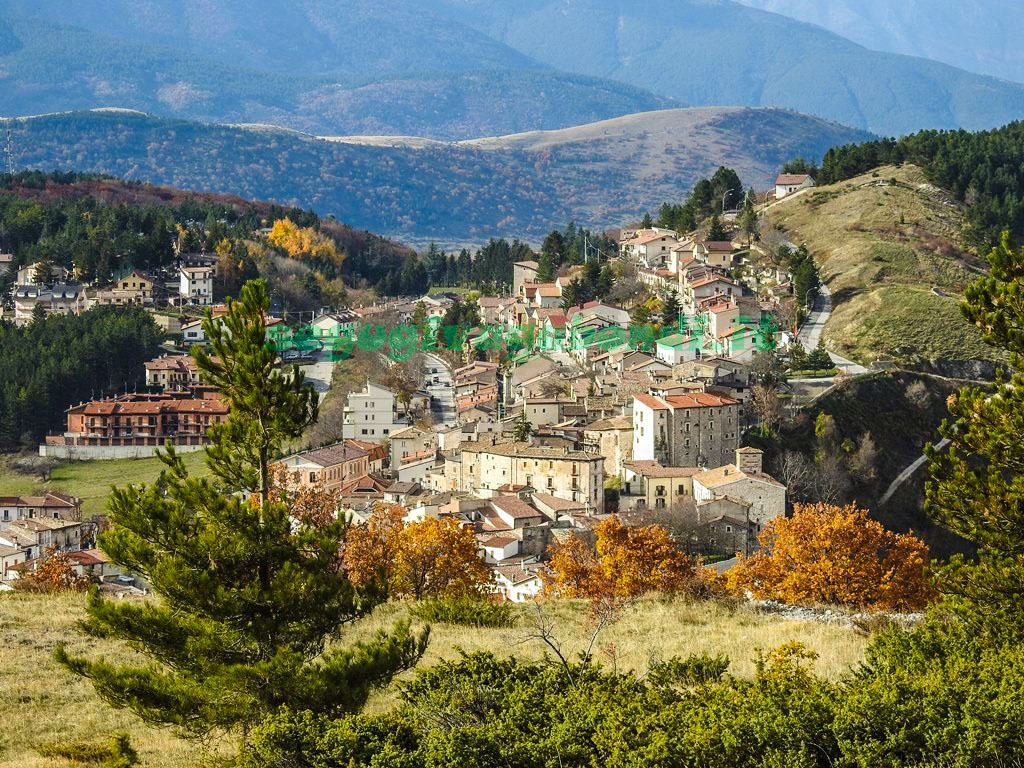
x: 831, y: 481
x: 797, y: 472
x: 917, y: 395
x: 767, y: 406
x: 864, y: 461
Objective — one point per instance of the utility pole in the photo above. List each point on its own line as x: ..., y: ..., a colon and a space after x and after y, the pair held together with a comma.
x: 10, y: 149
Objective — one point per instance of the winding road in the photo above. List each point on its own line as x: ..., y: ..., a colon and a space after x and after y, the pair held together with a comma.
x: 810, y: 332
x: 907, y: 473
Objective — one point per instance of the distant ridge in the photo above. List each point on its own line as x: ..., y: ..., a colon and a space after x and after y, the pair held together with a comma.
x: 517, y: 186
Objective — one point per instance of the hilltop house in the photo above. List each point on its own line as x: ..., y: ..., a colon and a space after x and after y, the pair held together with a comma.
x: 788, y: 183
x: 196, y: 285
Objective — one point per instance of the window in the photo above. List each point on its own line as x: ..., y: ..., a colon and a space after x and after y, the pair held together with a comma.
x: 659, y: 503
x: 728, y: 529
x: 660, y: 491
x: 682, y: 490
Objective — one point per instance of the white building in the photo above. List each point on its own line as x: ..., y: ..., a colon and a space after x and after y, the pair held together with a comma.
x: 788, y: 183
x: 517, y: 583
x: 370, y: 414
x: 196, y: 285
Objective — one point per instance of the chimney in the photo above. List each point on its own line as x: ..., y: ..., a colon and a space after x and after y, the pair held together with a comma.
x: 749, y: 460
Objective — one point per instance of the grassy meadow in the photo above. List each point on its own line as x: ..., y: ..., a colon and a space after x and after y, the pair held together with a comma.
x: 52, y: 705
x: 90, y: 480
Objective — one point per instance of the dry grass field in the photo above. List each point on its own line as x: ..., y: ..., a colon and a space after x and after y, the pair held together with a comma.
x: 47, y: 704
x: 883, y: 241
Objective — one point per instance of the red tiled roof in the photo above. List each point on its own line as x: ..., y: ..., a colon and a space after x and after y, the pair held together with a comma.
x: 652, y: 402
x: 788, y: 179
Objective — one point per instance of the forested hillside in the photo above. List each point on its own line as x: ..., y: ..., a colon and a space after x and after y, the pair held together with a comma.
x: 523, y: 186
x: 57, y: 361
x: 983, y: 170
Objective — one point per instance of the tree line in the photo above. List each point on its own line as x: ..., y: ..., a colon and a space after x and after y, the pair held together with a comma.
x: 59, y: 360
x: 983, y: 170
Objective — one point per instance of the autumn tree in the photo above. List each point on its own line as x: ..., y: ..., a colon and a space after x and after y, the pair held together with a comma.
x: 766, y: 404
x: 977, y: 488
x: 626, y: 563
x: 310, y: 503
x: 252, y: 607
x: 836, y: 555
x: 53, y: 573
x: 429, y: 558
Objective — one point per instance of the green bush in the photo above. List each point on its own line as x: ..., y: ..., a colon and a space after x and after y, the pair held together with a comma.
x: 117, y: 754
x: 465, y: 611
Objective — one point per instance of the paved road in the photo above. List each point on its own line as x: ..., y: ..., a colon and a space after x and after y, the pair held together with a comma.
x: 810, y: 332
x: 907, y: 473
x: 319, y: 374
x: 442, y: 394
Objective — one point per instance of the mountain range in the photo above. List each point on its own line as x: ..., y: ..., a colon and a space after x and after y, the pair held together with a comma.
x: 457, y: 69
x: 523, y: 185
x: 980, y: 36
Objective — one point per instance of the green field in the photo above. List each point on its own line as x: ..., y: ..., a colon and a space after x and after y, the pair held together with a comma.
x: 90, y: 480
x: 52, y: 705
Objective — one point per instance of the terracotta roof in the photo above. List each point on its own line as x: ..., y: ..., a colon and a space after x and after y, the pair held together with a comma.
x: 699, y: 400
x: 787, y: 179
x: 528, y: 264
x: 331, y: 455
x: 713, y: 478
x: 649, y: 468
x: 514, y: 507
x: 717, y: 245
x: 550, y: 290
x: 515, y: 574
x: 499, y: 541
x: 556, y: 503
x: 651, y: 402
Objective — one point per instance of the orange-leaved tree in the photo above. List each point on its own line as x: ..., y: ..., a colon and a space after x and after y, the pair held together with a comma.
x: 311, y: 503
x: 371, y: 548
x: 628, y: 562
x: 429, y: 558
x: 54, y: 573
x: 837, y: 555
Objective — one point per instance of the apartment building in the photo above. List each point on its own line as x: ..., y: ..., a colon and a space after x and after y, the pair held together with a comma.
x: 690, y: 430
x: 575, y: 475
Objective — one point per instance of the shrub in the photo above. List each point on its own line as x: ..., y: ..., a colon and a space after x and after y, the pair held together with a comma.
x: 465, y: 611
x: 117, y: 754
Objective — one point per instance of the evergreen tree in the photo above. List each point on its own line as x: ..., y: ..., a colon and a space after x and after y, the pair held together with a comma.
x: 546, y: 268
x: 249, y: 596
x: 716, y: 232
x: 819, y: 359
x: 977, y: 489
x: 672, y: 309
x: 647, y: 222
x: 522, y: 430
x: 748, y: 218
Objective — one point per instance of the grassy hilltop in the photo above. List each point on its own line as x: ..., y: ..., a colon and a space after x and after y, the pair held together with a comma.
x: 887, y: 244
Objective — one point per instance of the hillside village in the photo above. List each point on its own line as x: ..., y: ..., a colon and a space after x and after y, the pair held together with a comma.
x: 537, y: 422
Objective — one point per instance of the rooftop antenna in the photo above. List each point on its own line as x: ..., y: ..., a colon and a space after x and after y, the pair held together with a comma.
x: 10, y: 149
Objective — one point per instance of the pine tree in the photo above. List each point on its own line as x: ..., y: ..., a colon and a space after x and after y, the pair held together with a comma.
x: 716, y: 232
x: 523, y: 429
x: 249, y: 596
x: 647, y: 222
x: 977, y: 489
x: 671, y: 309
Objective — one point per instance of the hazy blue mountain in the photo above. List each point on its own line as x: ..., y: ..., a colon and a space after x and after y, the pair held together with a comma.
x: 602, y: 174
x: 720, y: 52
x: 45, y: 67
x: 980, y: 36
x: 302, y: 63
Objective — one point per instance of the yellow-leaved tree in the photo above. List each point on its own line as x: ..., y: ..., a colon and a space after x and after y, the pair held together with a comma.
x: 429, y: 558
x: 836, y: 555
x: 626, y: 563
